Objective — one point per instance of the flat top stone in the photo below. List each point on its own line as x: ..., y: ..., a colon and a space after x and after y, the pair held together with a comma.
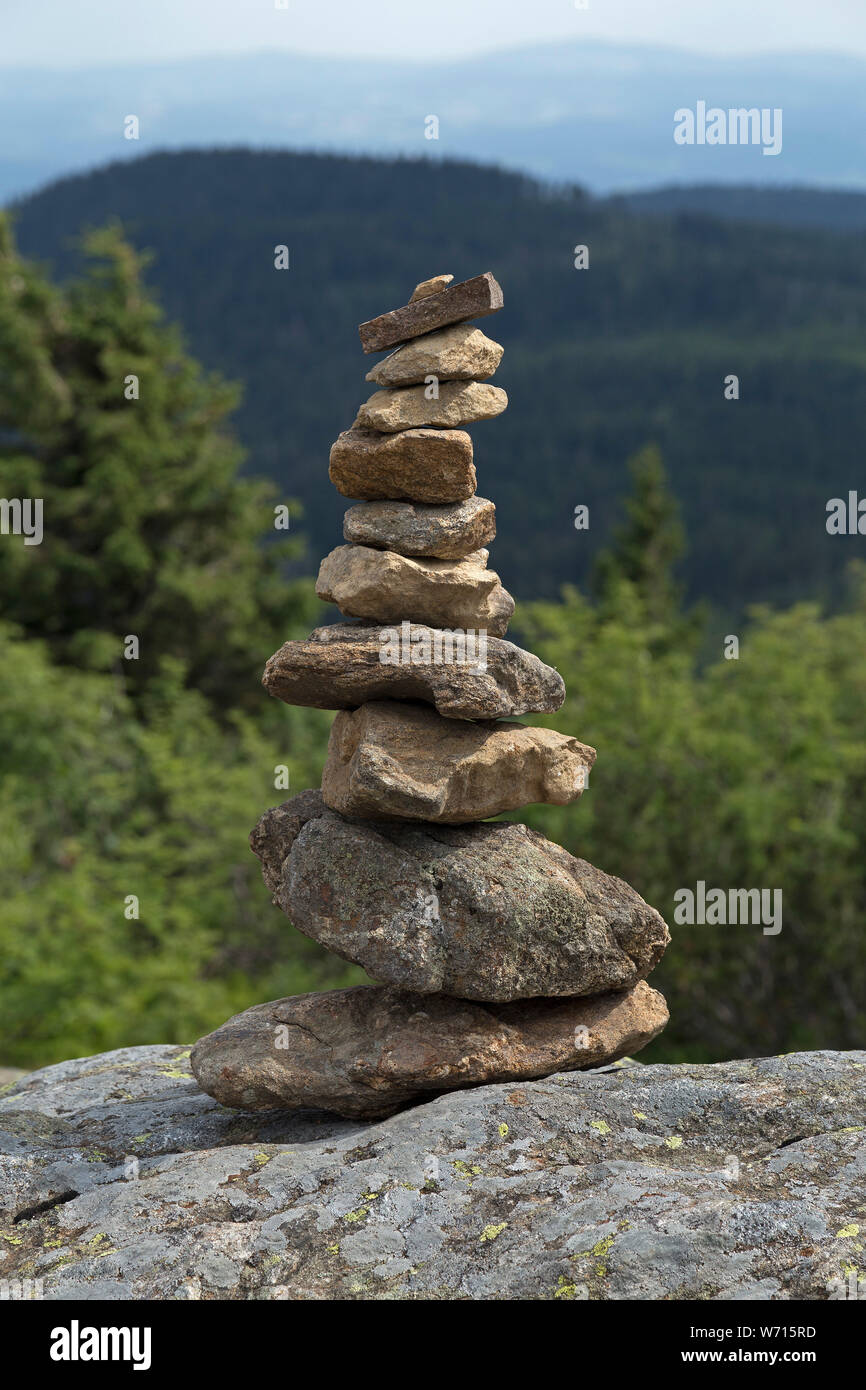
x: 635, y: 1160
x: 469, y: 299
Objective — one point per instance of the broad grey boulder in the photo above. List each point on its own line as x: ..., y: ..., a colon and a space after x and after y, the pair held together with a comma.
x: 491, y: 911
x: 121, y: 1180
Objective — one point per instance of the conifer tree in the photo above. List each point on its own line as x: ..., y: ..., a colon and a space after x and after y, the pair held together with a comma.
x: 148, y: 530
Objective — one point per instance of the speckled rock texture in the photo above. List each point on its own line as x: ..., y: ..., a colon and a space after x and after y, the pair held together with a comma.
x: 416, y: 465
x: 447, y: 532
x: 746, y: 1180
x: 461, y: 353
x: 342, y: 666
x: 367, y: 1051
x: 387, y: 587
x: 491, y: 911
x: 391, y: 759
x: 456, y: 403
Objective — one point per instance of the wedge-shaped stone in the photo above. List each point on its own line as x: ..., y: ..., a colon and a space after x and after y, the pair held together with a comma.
x: 365, y: 1052
x: 387, y: 587
x: 447, y: 532
x: 465, y: 675
x: 460, y: 353
x: 431, y: 286
x: 416, y: 465
x: 469, y: 299
x: 394, y: 760
x: 458, y: 403
x: 491, y: 911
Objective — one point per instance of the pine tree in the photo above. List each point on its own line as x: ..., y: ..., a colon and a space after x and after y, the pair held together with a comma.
x: 647, y: 546
x: 148, y: 530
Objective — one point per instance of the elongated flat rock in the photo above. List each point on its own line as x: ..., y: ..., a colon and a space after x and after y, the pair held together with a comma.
x: 492, y: 911
x: 387, y: 587
x: 447, y: 532
x: 459, y: 353
x: 468, y: 299
x: 395, y: 760
x: 415, y: 465
x: 458, y: 403
x: 364, y: 1052
x: 466, y: 676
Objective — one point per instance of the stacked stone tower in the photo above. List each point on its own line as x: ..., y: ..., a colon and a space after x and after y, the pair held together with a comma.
x: 498, y: 956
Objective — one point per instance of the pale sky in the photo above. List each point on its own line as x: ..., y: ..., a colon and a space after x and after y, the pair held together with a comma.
x: 76, y: 33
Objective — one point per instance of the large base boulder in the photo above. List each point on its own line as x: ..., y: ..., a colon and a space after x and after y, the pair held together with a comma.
x: 367, y: 1051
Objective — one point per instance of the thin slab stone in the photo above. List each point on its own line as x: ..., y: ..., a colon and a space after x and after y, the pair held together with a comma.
x: 469, y: 299
x: 465, y: 675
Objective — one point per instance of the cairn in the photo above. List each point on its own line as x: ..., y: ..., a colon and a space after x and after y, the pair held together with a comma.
x: 498, y: 956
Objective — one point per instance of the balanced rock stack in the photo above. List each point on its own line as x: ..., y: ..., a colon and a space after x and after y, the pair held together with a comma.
x: 498, y: 955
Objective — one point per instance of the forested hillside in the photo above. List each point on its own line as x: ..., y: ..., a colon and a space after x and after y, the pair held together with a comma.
x: 598, y: 362
x: 132, y: 908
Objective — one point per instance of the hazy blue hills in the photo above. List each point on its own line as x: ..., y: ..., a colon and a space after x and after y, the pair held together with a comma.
x: 596, y: 113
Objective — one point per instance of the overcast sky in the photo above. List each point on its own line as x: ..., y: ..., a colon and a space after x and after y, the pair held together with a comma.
x: 66, y: 33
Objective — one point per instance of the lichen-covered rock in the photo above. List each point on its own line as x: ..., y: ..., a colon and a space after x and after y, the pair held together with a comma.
x: 393, y: 759
x: 415, y: 465
x: 465, y: 675
x: 447, y: 532
x: 365, y: 1052
x: 461, y: 353
x: 388, y: 587
x: 456, y: 403
x: 739, y: 1181
x: 492, y: 911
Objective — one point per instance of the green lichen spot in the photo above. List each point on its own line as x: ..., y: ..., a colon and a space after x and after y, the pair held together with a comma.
x: 334, y: 1249
x: 503, y: 1130
x: 493, y: 1232
x: 639, y: 1115
x: 673, y: 1141
x: 565, y: 1289
x: 601, y: 1125
x: 846, y: 1231
x: 357, y: 1215
x: 603, y: 1246
x: 261, y: 1159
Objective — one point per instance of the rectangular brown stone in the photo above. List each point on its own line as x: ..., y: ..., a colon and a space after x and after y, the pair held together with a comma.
x: 470, y: 299
x: 431, y: 466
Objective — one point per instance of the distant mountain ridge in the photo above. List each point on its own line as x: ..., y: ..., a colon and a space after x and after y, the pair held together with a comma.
x: 599, y: 114
x: 597, y: 362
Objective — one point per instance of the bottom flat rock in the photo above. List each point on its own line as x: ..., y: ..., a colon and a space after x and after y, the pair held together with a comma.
x: 740, y: 1181
x: 366, y: 1051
